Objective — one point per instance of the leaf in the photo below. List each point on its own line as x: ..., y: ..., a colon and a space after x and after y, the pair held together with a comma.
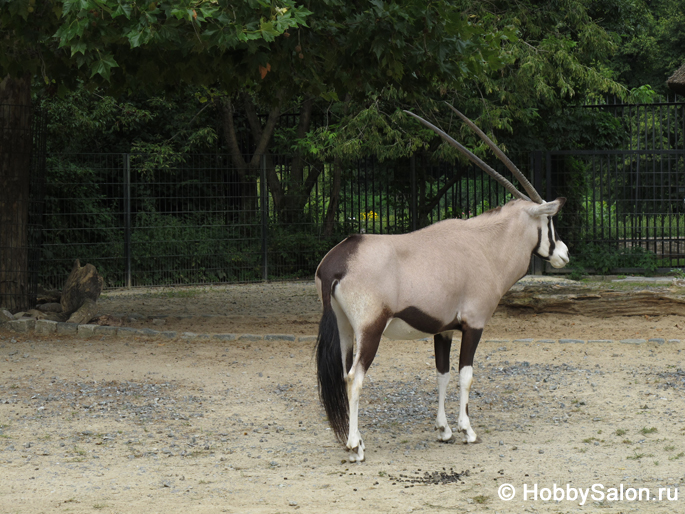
x: 103, y: 66
x: 264, y: 70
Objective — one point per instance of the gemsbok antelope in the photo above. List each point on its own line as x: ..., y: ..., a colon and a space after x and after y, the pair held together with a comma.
x: 448, y: 276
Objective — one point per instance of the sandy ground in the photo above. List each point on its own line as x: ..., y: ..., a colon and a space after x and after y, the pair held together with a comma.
x: 151, y: 425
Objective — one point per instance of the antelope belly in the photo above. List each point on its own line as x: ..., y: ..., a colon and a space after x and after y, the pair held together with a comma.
x: 399, y: 329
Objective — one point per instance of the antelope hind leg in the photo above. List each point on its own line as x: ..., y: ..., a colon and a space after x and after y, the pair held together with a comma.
x: 367, y: 346
x: 355, y: 445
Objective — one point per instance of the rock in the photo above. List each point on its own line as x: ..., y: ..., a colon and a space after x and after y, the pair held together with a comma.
x: 45, y: 327
x: 50, y: 307
x: 85, y: 313
x: 107, y: 321
x: 81, y: 290
x: 52, y: 316
x: 35, y: 314
x: 5, y: 316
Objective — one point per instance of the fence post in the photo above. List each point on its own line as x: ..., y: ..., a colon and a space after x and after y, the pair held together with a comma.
x: 412, y: 207
x: 127, y: 220
x: 264, y: 203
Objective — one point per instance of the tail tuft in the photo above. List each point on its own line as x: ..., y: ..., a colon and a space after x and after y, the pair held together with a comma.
x: 332, y: 386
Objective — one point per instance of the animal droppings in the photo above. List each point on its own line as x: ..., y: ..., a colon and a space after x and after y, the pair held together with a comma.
x: 429, y: 478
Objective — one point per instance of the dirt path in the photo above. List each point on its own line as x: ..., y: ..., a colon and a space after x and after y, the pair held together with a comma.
x: 151, y: 425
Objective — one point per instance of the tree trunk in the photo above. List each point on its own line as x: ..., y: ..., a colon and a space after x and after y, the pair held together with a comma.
x: 248, y: 171
x: 15, y: 165
x: 299, y: 187
x: 329, y: 224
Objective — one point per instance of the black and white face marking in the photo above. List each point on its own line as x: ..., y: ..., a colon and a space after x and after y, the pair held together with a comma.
x: 549, y: 247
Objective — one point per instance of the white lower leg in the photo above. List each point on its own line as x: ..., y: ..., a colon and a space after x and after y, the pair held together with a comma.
x: 354, y: 440
x: 445, y: 433
x: 463, y: 424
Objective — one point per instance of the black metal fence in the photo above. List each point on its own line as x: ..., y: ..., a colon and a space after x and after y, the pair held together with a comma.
x: 199, y: 219
x: 654, y: 126
x: 202, y: 221
x: 625, y: 200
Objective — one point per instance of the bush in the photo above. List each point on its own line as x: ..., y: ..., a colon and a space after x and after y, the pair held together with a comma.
x: 605, y: 258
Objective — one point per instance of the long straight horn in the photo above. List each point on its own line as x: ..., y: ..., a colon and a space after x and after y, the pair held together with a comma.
x: 478, y: 162
x: 502, y: 157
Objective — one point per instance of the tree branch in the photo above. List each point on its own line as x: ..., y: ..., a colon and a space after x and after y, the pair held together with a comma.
x: 230, y: 135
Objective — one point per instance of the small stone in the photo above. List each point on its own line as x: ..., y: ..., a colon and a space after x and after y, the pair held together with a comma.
x: 279, y: 337
x: 541, y: 452
x: 251, y: 337
x: 225, y: 337
x: 45, y: 327
x: 22, y: 325
x: 86, y: 331
x: 105, y: 331
x: 67, y: 328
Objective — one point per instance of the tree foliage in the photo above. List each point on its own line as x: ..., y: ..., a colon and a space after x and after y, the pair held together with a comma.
x: 138, y: 45
x: 652, y: 46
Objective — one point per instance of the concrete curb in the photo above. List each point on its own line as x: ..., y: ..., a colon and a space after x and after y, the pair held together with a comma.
x: 45, y: 327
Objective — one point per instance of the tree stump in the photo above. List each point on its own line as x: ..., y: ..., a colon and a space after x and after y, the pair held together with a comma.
x: 81, y: 290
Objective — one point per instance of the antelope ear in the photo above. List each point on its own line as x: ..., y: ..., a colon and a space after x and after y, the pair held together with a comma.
x: 547, y: 208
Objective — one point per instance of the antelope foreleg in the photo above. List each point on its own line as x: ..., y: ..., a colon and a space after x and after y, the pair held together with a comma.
x: 441, y: 425
x: 469, y: 343
x: 442, y: 345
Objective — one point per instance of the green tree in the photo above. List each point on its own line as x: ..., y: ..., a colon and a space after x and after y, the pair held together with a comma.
x: 121, y: 45
x: 349, y: 53
x: 653, y: 46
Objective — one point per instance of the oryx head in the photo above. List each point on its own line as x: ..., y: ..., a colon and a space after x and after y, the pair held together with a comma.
x: 549, y: 246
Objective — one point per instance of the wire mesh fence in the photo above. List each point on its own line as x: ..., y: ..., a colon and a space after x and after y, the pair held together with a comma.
x: 201, y: 220
x: 630, y: 202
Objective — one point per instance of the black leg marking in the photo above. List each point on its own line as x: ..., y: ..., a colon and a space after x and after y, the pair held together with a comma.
x: 442, y: 344
x: 469, y: 342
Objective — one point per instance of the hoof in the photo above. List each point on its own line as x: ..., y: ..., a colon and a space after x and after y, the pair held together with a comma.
x: 357, y: 452
x: 445, y: 434
x: 356, y: 455
x: 469, y: 437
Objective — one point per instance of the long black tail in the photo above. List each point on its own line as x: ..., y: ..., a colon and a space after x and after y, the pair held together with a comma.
x: 332, y: 387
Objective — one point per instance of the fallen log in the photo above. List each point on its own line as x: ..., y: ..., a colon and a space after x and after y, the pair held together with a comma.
x: 593, y: 303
